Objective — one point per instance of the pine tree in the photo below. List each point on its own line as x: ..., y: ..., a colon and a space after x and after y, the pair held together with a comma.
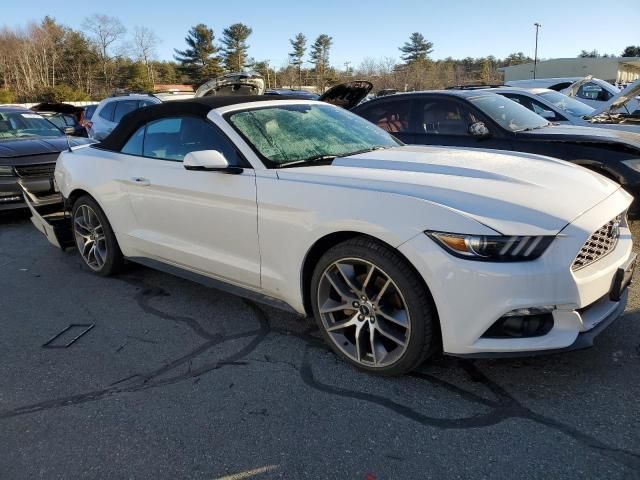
x: 416, y: 49
x: 631, y: 51
x: 200, y: 61
x: 234, y: 39
x: 320, y: 58
x: 299, y: 45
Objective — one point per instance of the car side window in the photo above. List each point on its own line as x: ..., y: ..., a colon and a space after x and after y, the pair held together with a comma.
x: 536, y: 106
x: 593, y: 91
x: 134, y: 144
x: 123, y: 107
x: 106, y: 111
x: 392, y: 116
x: 172, y: 138
x: 446, y: 117
x: 542, y: 110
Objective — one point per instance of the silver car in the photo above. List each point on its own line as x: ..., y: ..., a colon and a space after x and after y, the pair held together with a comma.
x: 111, y: 110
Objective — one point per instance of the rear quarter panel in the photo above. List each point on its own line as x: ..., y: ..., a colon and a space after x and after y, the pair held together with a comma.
x: 102, y: 175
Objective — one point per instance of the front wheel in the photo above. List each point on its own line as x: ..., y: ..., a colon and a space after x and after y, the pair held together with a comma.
x: 94, y: 237
x: 372, y: 307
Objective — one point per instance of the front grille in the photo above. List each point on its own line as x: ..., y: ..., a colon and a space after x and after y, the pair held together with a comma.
x: 40, y: 170
x: 599, y: 244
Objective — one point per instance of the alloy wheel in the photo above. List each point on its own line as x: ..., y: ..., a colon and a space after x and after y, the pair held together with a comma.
x: 90, y: 237
x: 364, y: 312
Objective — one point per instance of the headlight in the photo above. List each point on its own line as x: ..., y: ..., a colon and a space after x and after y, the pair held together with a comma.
x: 492, y: 248
x: 634, y: 163
x: 6, y: 171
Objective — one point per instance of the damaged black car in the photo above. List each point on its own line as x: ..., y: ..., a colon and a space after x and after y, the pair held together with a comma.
x: 29, y: 148
x: 481, y: 119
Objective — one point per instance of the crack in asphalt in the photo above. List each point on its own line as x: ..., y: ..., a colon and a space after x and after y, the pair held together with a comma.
x: 501, y: 408
x: 504, y: 407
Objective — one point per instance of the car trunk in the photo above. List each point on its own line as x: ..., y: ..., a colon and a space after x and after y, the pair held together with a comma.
x: 233, y: 84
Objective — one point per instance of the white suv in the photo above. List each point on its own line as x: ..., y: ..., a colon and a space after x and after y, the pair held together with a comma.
x: 111, y: 110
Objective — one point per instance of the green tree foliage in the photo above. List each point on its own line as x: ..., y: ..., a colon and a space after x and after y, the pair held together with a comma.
x: 416, y: 49
x: 631, y: 51
x: 7, y: 96
x: 200, y: 60
x: 517, y: 58
x: 296, y: 56
x: 234, y: 40
x: 61, y: 93
x: 320, y: 58
x: 588, y: 54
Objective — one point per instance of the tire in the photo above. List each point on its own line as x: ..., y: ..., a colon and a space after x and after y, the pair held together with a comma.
x: 91, y: 228
x: 344, y: 275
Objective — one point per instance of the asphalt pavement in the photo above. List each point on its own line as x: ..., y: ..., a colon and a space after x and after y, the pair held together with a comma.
x: 176, y: 380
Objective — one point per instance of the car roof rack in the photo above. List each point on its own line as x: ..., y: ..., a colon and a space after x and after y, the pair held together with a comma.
x: 474, y: 86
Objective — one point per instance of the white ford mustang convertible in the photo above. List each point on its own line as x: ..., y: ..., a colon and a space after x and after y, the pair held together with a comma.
x: 397, y: 251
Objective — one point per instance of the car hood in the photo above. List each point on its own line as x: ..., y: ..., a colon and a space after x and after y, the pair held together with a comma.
x: 10, y: 150
x: 620, y: 100
x: 514, y: 194
x: 347, y: 95
x: 584, y: 134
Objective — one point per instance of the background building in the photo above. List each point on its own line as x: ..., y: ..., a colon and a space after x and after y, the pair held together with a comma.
x: 611, y: 69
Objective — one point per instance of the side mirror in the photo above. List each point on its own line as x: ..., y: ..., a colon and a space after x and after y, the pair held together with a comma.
x: 479, y: 129
x: 548, y: 115
x: 208, y: 160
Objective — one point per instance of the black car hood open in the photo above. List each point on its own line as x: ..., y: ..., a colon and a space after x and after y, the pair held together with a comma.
x: 10, y: 150
x: 574, y: 133
x: 347, y: 95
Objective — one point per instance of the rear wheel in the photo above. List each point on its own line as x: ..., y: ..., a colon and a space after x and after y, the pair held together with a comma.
x: 94, y: 237
x: 372, y: 307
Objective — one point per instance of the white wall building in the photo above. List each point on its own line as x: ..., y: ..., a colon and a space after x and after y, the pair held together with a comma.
x: 611, y: 69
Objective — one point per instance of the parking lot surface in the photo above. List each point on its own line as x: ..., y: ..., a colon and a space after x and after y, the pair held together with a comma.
x: 180, y: 381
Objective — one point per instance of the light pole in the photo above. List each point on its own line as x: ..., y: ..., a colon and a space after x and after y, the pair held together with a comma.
x: 535, y: 57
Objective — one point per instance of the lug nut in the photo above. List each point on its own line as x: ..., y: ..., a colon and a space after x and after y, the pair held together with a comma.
x: 360, y: 317
x: 355, y: 304
x: 372, y: 320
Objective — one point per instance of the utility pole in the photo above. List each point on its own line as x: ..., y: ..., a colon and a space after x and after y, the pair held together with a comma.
x: 347, y: 64
x: 535, y: 57
x: 268, y: 80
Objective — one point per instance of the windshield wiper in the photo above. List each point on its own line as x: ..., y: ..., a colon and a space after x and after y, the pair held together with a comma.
x: 309, y: 161
x: 327, y: 158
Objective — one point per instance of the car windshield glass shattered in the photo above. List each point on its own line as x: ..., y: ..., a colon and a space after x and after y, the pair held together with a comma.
x: 509, y: 114
x: 24, y: 124
x: 305, y: 133
x: 568, y: 104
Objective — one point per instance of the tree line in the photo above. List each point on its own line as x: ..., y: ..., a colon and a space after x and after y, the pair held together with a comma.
x: 48, y: 61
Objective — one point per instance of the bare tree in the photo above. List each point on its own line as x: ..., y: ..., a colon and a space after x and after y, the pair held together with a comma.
x: 105, y: 31
x: 145, y: 42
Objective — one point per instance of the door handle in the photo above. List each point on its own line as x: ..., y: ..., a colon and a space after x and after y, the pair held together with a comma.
x: 143, y: 182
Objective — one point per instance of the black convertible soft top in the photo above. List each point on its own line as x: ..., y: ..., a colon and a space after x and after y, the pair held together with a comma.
x: 197, y: 107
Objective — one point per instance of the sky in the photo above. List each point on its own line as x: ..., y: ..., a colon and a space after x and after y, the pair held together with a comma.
x: 374, y: 28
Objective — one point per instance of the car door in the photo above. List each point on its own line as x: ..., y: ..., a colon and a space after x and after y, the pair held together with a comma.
x: 393, y: 115
x: 446, y: 121
x: 203, y: 221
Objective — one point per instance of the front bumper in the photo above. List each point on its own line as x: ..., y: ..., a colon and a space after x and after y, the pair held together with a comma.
x: 40, y: 189
x: 471, y: 296
x: 10, y: 194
